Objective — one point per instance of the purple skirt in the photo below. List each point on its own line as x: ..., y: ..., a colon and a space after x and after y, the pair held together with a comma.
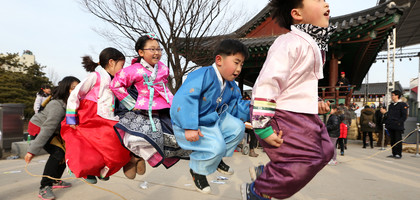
x: 306, y: 150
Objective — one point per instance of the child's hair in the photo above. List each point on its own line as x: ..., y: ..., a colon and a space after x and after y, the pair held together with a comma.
x: 41, y: 91
x: 230, y: 47
x: 141, y: 42
x: 397, y: 93
x: 281, y: 11
x: 105, y: 55
x: 63, y: 88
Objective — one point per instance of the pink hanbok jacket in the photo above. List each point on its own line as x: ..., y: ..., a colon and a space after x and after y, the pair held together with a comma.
x: 288, y: 79
x: 139, y: 75
x: 96, y: 89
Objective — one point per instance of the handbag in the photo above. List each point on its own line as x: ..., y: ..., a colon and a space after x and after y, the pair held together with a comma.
x: 371, y: 125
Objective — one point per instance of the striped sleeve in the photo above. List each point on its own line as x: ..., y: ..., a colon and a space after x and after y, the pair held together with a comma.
x: 262, y: 113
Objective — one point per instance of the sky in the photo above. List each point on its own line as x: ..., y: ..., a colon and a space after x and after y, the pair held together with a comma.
x: 59, y: 33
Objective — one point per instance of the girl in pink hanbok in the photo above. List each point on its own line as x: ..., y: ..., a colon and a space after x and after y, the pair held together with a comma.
x: 92, y: 147
x: 146, y: 128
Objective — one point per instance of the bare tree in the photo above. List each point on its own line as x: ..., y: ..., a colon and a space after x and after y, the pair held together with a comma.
x: 183, y: 26
x: 52, y: 75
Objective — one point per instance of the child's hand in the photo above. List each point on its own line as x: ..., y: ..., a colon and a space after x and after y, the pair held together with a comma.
x: 73, y: 126
x: 275, y: 139
x: 193, y: 135
x: 28, y: 157
x: 323, y: 107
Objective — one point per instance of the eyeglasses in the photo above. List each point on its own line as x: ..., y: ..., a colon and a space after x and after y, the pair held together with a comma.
x: 154, y: 50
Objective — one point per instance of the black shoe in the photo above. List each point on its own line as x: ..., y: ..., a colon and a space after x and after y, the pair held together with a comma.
x: 200, y: 182
x: 224, y: 169
x: 248, y: 193
x: 103, y: 179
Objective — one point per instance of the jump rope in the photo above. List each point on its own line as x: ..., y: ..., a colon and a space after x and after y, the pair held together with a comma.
x: 117, y: 194
x: 379, y: 152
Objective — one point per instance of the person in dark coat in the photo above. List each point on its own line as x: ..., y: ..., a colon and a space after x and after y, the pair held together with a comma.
x: 367, y: 121
x: 333, y: 128
x: 397, y: 114
x: 343, y: 81
x: 380, y: 116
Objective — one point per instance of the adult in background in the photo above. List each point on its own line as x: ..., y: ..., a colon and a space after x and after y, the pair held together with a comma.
x: 381, y: 115
x: 367, y: 124
x: 343, y: 81
x: 397, y: 114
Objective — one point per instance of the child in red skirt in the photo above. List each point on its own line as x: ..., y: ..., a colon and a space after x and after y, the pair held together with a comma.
x: 93, y: 148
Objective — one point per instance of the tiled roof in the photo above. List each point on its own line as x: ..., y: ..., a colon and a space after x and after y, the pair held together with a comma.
x: 376, y: 88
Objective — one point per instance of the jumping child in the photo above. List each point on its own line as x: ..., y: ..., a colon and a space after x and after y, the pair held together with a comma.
x: 207, y: 111
x: 285, y: 98
x: 93, y: 148
x: 146, y: 128
x: 45, y: 125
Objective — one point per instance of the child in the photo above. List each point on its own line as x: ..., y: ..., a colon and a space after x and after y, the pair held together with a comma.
x: 285, y: 98
x: 146, y: 128
x: 46, y: 126
x: 207, y: 111
x: 333, y: 128
x: 41, y: 96
x: 93, y: 148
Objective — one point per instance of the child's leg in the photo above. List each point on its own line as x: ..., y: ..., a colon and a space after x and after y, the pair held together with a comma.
x: 54, y: 166
x: 233, y: 130
x: 208, y: 151
x: 306, y: 150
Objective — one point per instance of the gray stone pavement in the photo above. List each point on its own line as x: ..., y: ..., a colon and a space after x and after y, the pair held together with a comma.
x: 353, y: 178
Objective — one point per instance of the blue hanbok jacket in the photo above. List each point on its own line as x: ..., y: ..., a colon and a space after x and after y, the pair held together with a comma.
x: 200, y: 100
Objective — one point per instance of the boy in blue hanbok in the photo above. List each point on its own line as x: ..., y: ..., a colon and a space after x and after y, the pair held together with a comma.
x: 208, y: 113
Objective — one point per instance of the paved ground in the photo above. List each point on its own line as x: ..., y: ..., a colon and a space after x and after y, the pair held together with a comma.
x: 353, y: 178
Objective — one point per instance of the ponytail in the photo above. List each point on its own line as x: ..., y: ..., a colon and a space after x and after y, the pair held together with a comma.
x: 88, y: 64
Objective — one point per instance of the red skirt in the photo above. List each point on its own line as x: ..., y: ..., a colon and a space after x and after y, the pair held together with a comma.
x: 93, y: 145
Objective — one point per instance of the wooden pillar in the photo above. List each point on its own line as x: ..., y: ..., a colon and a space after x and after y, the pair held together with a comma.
x: 333, y: 71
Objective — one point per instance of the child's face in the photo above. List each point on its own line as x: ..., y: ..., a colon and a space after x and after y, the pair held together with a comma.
x: 47, y: 91
x: 230, y: 66
x: 315, y: 12
x: 115, y: 66
x: 73, y: 85
x: 151, y: 52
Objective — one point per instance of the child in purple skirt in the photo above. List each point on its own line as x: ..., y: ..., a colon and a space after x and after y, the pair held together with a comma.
x: 285, y: 99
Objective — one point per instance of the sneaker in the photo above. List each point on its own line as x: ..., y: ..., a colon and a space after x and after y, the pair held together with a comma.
x: 332, y: 162
x: 224, y: 169
x: 342, y: 153
x: 61, y: 184
x: 104, y: 178
x: 397, y: 157
x: 255, y: 172
x: 200, y: 182
x: 46, y: 193
x: 91, y: 179
x: 248, y: 193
